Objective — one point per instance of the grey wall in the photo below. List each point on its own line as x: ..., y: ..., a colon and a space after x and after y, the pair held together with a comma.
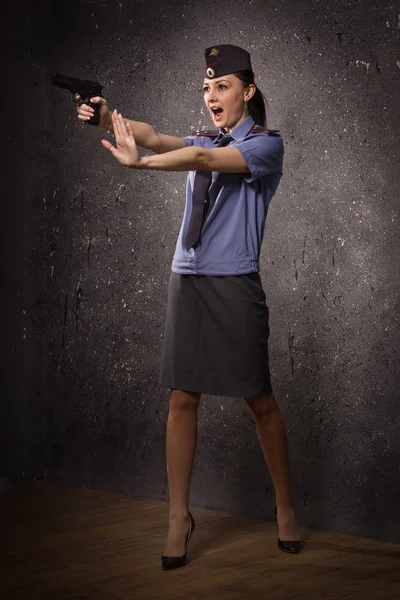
x: 99, y: 240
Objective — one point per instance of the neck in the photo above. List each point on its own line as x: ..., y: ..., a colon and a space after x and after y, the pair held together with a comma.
x: 242, y: 118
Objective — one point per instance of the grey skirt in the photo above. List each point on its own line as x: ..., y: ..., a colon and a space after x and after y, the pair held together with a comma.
x: 216, y: 335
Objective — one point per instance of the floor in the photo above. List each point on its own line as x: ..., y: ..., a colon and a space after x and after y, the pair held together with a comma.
x: 62, y: 542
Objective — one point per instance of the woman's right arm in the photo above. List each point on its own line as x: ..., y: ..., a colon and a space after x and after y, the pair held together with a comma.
x: 145, y: 135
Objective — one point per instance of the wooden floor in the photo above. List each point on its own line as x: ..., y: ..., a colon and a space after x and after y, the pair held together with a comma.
x: 60, y: 542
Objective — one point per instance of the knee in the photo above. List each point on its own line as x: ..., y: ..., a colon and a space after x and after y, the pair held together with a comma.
x: 182, y: 400
x: 263, y: 406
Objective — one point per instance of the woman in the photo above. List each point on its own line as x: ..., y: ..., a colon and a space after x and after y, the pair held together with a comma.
x: 216, y: 335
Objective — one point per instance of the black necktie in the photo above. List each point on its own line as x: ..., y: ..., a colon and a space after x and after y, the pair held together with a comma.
x: 201, y: 184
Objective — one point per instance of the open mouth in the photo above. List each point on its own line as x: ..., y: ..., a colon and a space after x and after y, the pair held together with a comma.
x: 217, y: 112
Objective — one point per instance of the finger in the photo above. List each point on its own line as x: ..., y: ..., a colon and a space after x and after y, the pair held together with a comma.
x: 109, y: 146
x: 129, y: 132
x: 129, y: 129
x: 122, y: 125
x: 85, y: 110
x: 97, y: 100
x: 117, y: 126
x: 77, y: 97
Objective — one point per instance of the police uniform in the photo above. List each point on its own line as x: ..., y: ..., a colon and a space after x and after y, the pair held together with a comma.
x: 216, y: 333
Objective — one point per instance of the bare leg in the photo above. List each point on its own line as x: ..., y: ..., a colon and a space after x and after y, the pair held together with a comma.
x: 181, y: 448
x: 271, y: 432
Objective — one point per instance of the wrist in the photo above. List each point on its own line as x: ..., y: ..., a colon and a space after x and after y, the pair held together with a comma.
x: 142, y: 163
x: 106, y: 122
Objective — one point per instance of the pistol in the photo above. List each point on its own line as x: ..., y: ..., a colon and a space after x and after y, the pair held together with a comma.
x: 85, y: 88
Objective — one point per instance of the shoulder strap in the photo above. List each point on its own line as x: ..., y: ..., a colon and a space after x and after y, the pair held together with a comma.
x: 259, y: 129
x: 215, y: 132
x: 208, y: 132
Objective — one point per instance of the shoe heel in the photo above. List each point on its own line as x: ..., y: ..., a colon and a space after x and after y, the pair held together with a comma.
x: 174, y: 562
x: 292, y: 547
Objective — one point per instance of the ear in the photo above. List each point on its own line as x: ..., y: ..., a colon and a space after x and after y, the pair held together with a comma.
x: 251, y: 90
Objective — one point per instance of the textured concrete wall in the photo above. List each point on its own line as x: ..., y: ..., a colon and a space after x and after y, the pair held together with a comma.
x: 12, y: 260
x: 100, y: 241
x: 24, y: 249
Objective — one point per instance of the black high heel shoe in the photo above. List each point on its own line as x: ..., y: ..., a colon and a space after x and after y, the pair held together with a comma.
x: 293, y: 546
x: 173, y: 562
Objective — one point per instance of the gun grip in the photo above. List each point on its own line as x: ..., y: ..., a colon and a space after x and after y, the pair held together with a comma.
x: 95, y: 120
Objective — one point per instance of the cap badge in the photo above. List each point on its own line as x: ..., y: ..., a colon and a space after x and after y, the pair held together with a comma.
x: 214, y: 52
x: 210, y: 72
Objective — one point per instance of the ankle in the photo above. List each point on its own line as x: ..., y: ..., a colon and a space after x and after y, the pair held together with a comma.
x: 178, y: 514
x: 284, y: 506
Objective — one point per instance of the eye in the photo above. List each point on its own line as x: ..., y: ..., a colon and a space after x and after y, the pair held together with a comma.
x: 221, y: 86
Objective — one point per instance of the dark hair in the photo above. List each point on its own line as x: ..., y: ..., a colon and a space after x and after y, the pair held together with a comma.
x: 256, y: 104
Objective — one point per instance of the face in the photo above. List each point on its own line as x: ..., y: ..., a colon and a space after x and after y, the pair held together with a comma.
x: 227, y: 96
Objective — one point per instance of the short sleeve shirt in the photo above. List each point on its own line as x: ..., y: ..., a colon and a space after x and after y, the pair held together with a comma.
x: 233, y: 230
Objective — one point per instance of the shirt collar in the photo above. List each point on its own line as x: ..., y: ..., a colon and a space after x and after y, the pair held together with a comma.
x: 238, y: 132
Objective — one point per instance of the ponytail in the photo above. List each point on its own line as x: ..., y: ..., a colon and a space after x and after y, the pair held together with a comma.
x: 256, y: 104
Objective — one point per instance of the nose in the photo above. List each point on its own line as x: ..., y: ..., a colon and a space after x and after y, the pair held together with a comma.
x: 212, y: 96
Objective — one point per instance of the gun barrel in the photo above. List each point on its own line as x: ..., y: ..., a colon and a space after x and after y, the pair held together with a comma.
x: 76, y: 85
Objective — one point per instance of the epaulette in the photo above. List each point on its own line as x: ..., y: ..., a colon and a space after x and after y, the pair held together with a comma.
x: 208, y: 132
x: 215, y: 132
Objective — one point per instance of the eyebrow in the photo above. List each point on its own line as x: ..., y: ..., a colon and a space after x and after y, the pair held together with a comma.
x: 218, y: 81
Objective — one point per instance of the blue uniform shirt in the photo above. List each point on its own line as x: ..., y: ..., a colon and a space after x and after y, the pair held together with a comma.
x: 233, y: 230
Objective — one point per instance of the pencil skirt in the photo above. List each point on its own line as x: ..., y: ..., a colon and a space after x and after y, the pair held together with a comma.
x: 216, y: 335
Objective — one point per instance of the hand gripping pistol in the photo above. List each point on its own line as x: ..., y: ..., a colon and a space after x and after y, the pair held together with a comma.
x: 85, y: 88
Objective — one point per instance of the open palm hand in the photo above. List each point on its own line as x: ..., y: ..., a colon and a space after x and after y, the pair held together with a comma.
x: 126, y: 151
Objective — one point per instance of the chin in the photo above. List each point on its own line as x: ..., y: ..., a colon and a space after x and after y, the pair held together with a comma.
x: 221, y: 124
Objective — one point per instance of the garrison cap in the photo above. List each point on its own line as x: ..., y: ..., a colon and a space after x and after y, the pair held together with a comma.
x: 225, y: 59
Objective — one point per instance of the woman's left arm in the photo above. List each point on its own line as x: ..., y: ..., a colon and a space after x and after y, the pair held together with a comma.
x: 193, y: 158
x: 190, y: 158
